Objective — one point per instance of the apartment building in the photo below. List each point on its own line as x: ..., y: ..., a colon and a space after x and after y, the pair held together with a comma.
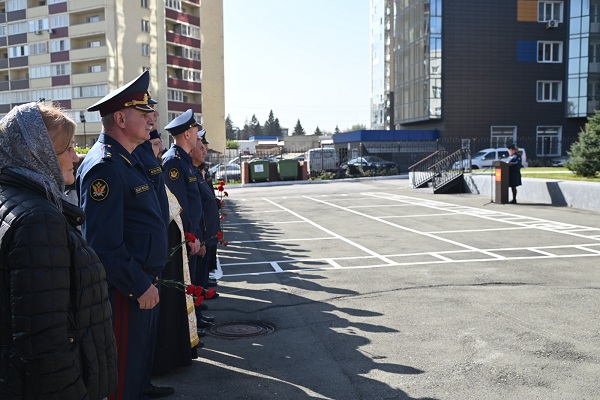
x: 488, y: 73
x: 76, y: 51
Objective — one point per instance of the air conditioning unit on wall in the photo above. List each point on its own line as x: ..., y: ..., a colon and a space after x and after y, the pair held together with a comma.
x: 553, y: 23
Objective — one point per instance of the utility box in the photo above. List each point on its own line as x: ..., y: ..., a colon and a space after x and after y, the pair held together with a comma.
x: 287, y: 169
x: 259, y: 170
x: 501, y: 182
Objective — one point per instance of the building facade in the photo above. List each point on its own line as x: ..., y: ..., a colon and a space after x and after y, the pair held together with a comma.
x: 76, y: 51
x: 489, y: 73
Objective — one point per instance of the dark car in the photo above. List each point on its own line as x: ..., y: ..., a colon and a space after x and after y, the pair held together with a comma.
x: 370, y: 163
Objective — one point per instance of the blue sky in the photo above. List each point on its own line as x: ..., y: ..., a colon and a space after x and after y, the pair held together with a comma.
x: 303, y: 59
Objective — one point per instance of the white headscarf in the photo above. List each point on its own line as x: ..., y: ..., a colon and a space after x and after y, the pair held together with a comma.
x: 26, y: 149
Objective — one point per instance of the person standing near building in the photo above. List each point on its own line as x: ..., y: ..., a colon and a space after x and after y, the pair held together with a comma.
x: 210, y: 223
x: 57, y: 335
x: 514, y: 172
x: 125, y: 226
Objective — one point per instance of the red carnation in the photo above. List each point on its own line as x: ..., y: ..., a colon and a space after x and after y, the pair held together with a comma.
x: 219, y: 235
x: 198, y: 300
x: 190, y: 289
x: 190, y: 237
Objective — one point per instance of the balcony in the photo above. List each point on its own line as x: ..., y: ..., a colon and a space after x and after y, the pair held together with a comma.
x: 183, y: 62
x: 182, y: 107
x: 19, y: 84
x: 89, y: 78
x: 174, y: 83
x: 182, y: 40
x: 89, y: 53
x: 4, y: 86
x: 182, y: 17
x: 91, y: 28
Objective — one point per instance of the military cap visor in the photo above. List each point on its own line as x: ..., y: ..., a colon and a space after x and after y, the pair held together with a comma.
x: 131, y: 95
x: 182, y: 123
x: 201, y: 136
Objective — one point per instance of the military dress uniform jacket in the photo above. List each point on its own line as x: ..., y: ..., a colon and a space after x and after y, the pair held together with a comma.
x: 183, y: 183
x: 210, y: 223
x: 145, y: 154
x: 124, y: 224
x: 56, y: 335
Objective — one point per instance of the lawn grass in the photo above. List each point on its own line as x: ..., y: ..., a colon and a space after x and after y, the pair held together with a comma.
x: 560, y: 173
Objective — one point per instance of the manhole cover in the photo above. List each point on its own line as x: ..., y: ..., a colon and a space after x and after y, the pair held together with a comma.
x: 240, y: 329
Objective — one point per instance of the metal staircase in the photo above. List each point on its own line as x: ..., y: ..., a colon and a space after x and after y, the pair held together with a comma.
x: 443, y: 172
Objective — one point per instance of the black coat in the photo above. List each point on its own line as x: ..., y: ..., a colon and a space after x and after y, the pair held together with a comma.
x: 56, y: 336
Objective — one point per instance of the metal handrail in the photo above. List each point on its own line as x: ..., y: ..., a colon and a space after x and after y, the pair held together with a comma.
x: 420, y: 172
x: 450, y: 168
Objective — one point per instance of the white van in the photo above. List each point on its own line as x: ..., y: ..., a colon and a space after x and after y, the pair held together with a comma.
x: 485, y: 158
x: 321, y: 159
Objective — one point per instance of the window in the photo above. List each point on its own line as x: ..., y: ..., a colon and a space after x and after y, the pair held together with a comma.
x: 89, y: 91
x: 94, y: 43
x: 39, y: 72
x: 549, y: 10
x: 146, y: 49
x: 56, y: 1
x: 38, y: 25
x: 548, y: 140
x: 14, y: 5
x: 190, y: 53
x: 502, y: 136
x: 59, y: 45
x: 18, y: 51
x: 38, y: 48
x: 144, y: 4
x: 93, y: 18
x: 173, y: 4
x: 95, y: 68
x: 549, y: 91
x: 61, y: 69
x: 550, y: 52
x: 189, y: 75
x: 175, y: 95
x: 17, y: 27
x: 188, y: 30
x: 145, y: 25
x: 59, y: 21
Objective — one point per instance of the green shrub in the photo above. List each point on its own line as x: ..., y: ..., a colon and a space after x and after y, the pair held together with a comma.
x: 585, y: 152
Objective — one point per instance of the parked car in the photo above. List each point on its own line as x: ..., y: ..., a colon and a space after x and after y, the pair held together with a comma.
x: 560, y: 161
x: 486, y: 157
x: 370, y: 163
x: 226, y: 172
x: 321, y: 159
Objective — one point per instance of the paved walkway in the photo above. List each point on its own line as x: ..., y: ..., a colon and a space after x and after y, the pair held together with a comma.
x: 378, y: 291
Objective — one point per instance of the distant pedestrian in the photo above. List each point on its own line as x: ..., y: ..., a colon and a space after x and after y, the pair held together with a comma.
x: 514, y: 173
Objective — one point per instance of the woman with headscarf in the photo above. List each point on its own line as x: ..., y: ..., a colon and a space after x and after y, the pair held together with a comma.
x: 56, y: 336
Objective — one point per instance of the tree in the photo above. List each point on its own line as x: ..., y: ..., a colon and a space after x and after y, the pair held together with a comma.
x: 246, y: 131
x: 298, y: 129
x: 272, y: 127
x: 318, y: 131
x: 255, y: 128
x: 230, y: 130
x: 585, y: 152
x: 357, y: 127
x: 337, y: 130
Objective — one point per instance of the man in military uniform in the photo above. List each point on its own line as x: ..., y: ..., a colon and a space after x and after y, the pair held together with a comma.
x: 125, y: 227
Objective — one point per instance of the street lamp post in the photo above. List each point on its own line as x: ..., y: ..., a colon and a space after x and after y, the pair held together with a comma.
x: 83, y: 121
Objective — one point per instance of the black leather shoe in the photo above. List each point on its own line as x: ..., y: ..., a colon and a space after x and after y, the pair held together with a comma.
x: 203, y: 307
x: 212, y: 283
x: 203, y: 324
x: 207, y: 318
x: 201, y: 333
x: 156, y: 392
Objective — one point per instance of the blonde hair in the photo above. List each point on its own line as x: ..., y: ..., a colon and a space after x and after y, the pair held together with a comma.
x: 61, y: 127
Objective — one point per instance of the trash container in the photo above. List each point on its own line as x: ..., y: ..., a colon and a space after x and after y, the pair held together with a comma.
x: 259, y: 170
x: 287, y: 169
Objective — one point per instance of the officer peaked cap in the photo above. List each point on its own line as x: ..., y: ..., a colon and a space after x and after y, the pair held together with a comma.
x: 133, y: 94
x: 182, y: 123
x: 201, y: 136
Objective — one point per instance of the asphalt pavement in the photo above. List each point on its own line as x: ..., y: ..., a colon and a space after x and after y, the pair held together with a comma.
x: 372, y: 290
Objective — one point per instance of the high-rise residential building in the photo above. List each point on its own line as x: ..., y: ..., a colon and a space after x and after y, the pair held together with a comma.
x: 488, y: 73
x: 74, y: 52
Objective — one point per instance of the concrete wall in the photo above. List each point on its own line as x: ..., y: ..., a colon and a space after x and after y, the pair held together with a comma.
x: 575, y: 194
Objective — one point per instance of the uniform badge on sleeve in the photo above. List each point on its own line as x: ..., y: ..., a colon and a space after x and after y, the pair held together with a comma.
x: 173, y: 174
x: 99, y: 190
